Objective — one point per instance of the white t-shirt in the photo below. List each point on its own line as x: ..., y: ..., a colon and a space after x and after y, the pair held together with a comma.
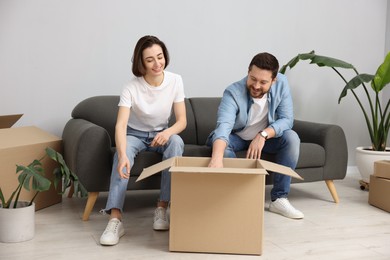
x: 257, y: 119
x: 151, y: 107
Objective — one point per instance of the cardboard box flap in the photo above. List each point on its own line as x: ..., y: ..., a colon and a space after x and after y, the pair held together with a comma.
x: 9, y: 120
x: 199, y: 165
x: 274, y: 167
x: 149, y: 171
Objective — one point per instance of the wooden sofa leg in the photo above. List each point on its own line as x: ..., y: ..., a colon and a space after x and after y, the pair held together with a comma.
x: 92, y: 196
x: 332, y: 190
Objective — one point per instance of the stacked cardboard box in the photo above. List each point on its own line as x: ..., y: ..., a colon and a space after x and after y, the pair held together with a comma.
x: 379, y: 193
x: 217, y: 210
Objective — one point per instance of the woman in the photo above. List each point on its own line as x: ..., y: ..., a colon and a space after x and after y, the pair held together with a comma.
x: 142, y: 124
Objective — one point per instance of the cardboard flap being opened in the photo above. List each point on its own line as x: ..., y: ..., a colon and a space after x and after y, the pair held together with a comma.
x: 274, y: 167
x: 156, y: 168
x: 9, y: 120
x: 232, y: 166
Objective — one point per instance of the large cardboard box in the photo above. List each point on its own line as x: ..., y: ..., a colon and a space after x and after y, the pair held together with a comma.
x: 217, y: 210
x: 21, y: 145
x: 379, y: 192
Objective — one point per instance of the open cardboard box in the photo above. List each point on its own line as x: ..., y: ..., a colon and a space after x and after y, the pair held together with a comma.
x: 217, y: 210
x: 7, y: 121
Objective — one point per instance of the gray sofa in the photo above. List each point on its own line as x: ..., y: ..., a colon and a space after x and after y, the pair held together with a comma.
x: 89, y: 145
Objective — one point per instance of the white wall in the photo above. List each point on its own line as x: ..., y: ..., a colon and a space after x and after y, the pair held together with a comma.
x: 386, y: 94
x: 55, y: 53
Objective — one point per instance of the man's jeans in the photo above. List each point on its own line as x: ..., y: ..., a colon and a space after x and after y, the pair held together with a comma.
x: 286, y: 151
x: 138, y: 141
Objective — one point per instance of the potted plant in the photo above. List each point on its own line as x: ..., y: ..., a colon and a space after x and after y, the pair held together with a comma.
x: 17, y: 217
x: 377, y: 114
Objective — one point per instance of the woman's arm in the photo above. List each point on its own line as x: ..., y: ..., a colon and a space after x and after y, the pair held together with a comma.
x: 181, y: 122
x: 120, y: 140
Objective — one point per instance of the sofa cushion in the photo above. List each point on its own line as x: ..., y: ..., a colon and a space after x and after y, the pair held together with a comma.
x: 311, y: 155
x: 197, y: 150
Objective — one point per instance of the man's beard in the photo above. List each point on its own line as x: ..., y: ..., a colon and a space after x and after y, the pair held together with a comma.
x: 256, y: 94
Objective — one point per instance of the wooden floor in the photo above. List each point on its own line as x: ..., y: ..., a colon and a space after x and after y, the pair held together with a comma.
x: 351, y: 229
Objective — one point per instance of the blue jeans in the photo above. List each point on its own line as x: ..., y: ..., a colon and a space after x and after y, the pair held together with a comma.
x: 138, y: 141
x: 286, y: 151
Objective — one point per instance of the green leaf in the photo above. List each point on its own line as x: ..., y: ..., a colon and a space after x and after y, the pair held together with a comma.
x: 330, y: 62
x: 306, y: 56
x: 51, y: 153
x: 2, y: 200
x: 355, y: 82
x: 295, y: 60
x: 33, y: 175
x: 382, y: 75
x: 64, y: 174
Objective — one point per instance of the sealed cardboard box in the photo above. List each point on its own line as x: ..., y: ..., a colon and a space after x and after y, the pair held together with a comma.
x: 217, y: 210
x: 22, y: 145
x: 382, y: 169
x: 379, y: 192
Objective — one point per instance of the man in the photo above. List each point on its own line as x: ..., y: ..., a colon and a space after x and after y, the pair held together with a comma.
x: 256, y: 114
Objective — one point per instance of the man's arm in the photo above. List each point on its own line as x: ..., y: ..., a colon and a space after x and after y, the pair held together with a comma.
x: 219, y: 147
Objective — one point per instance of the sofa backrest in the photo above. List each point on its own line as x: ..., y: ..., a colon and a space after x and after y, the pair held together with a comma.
x: 100, y: 110
x: 201, y: 116
x: 205, y: 112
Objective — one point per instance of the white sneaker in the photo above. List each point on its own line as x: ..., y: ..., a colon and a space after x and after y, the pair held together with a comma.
x: 283, y: 207
x: 160, y: 219
x: 112, y: 233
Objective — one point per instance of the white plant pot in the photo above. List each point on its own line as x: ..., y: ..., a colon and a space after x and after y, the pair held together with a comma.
x: 17, y: 225
x: 365, y: 159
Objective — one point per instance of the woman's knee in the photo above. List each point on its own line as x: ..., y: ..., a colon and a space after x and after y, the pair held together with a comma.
x: 176, y: 140
x: 175, y: 146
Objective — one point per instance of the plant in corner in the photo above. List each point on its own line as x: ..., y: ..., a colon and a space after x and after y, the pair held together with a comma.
x: 377, y: 115
x: 32, y: 177
x: 17, y: 221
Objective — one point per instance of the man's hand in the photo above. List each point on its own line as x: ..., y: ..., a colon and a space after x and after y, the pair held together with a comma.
x: 219, y: 147
x: 255, y: 147
x: 122, y: 164
x: 216, y: 163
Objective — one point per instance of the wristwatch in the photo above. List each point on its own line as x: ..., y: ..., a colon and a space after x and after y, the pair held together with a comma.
x: 264, y: 134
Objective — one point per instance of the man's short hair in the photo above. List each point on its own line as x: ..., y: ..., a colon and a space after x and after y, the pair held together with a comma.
x: 265, y: 61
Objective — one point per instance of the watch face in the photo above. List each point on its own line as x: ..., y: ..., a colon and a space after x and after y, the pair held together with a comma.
x: 264, y: 134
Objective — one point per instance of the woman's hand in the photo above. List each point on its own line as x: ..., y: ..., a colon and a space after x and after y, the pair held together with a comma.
x: 124, y: 167
x: 160, y: 139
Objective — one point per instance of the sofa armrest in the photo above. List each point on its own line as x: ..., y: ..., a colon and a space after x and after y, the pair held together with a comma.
x: 332, y: 139
x: 87, y: 151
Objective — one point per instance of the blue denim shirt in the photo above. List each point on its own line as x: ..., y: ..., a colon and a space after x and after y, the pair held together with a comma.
x: 236, y: 103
